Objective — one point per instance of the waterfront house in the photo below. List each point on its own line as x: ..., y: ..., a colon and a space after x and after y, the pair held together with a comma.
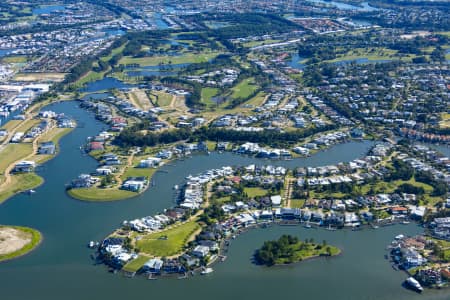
x: 190, y: 261
x: 212, y: 245
x: 442, y: 228
x: 149, y: 162
x: 47, y: 148
x: 96, y: 146
x: 417, y: 212
x: 351, y: 219
x: 368, y: 216
x: 429, y: 276
x: 25, y: 166
x: 290, y: 213
x: 411, y: 258
x: 83, y: 181
x: 153, y: 266
x: 105, y: 170
x: 164, y: 154
x: 134, y: 184
x: 122, y: 258
x: 398, y: 210
x: 200, y: 251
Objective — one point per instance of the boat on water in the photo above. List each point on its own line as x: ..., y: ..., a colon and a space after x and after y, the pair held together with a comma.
x: 206, y: 271
x: 400, y: 237
x: 175, y: 187
x: 405, y: 222
x: 91, y: 244
x: 412, y: 283
x: 30, y: 192
x: 307, y: 225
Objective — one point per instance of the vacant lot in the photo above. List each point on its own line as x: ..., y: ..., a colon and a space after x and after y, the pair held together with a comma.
x: 168, y: 242
x: 16, y: 241
x: 40, y: 77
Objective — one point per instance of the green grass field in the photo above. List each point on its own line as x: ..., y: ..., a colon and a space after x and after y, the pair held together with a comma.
x: 207, y: 94
x: 259, y: 43
x: 257, y: 100
x: 35, y: 236
x: 255, y: 192
x: 113, y: 52
x: 372, y: 54
x: 390, y: 187
x: 27, y: 125
x: 295, y: 203
x: 20, y: 183
x: 163, y: 99
x: 14, y: 59
x: 97, y: 194
x: 168, y: 242
x: 91, y: 76
x: 445, y: 117
x: 135, y: 264
x: 182, y: 59
x: 138, y: 172
x: 244, y: 88
x: 12, y: 153
x: 11, y: 124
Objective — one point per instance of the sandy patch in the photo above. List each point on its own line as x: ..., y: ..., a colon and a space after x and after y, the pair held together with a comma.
x: 415, y: 34
x: 12, y: 240
x: 54, y: 77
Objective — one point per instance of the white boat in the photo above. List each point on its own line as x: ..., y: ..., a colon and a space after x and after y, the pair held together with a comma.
x: 175, y: 187
x: 91, y: 244
x: 206, y: 271
x: 307, y: 225
x: 400, y: 237
x: 414, y: 284
x: 405, y: 222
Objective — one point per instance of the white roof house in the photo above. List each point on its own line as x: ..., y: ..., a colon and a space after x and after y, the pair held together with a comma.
x: 276, y: 200
x: 200, y: 251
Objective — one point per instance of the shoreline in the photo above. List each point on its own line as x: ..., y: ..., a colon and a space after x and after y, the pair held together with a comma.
x: 41, y: 178
x: 181, y: 158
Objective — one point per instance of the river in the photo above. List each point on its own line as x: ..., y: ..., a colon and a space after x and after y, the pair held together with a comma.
x: 60, y: 268
x: 344, y: 6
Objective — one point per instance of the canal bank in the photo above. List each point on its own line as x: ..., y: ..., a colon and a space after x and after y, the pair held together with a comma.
x: 61, y: 268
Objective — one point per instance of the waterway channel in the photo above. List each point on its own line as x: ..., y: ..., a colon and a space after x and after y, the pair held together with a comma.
x: 60, y: 268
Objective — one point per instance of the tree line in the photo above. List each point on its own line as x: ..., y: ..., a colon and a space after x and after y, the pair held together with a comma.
x: 134, y: 136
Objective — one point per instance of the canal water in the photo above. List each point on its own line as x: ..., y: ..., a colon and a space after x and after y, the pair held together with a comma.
x: 105, y: 84
x: 47, y: 9
x: 344, y: 6
x: 61, y: 268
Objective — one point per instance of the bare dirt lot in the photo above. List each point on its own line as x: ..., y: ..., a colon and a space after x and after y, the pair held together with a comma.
x: 12, y: 240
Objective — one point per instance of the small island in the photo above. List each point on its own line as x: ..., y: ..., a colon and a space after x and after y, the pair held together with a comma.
x: 289, y: 249
x: 16, y: 241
